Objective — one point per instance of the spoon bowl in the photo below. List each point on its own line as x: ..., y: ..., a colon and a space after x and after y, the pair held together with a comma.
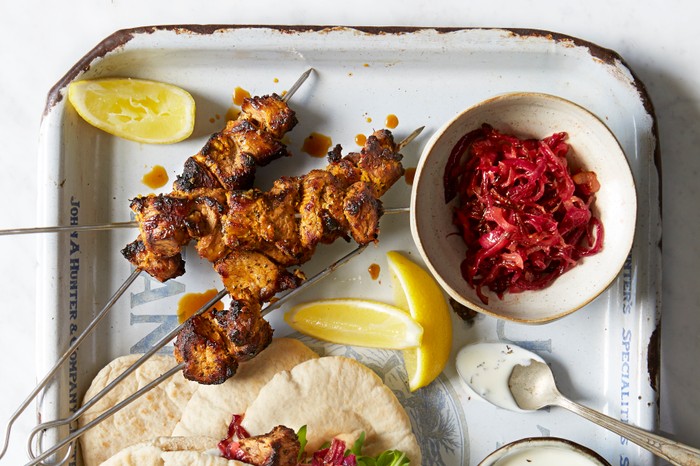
x: 533, y: 387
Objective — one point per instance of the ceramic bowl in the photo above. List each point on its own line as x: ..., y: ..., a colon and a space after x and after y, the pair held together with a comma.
x: 543, y: 451
x: 593, y: 147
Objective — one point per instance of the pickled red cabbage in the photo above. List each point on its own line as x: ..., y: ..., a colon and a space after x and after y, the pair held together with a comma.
x: 524, y: 217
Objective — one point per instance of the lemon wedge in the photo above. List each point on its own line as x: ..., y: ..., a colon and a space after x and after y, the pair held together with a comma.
x: 357, y: 322
x: 417, y: 292
x: 135, y: 109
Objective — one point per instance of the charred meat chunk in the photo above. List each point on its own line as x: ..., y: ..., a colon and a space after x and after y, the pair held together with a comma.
x: 279, y: 447
x: 159, y: 267
x: 212, y: 344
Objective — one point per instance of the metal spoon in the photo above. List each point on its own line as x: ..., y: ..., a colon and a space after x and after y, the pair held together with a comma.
x: 533, y: 387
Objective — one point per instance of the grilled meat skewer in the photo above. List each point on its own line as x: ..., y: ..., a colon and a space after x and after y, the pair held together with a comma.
x: 265, y: 237
x: 338, y: 201
x: 227, y: 162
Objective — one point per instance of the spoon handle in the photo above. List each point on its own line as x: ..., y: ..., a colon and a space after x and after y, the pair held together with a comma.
x: 674, y: 452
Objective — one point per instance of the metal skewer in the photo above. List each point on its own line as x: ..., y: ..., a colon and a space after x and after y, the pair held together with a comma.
x: 408, y: 139
x: 74, y: 346
x: 133, y: 224
x: 114, y: 226
x: 39, y: 430
x: 57, y: 229
x: 105, y: 310
x: 297, y: 84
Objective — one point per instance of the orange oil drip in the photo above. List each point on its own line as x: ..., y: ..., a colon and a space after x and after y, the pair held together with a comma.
x: 391, y: 121
x: 409, y: 175
x: 191, y: 302
x: 276, y: 80
x: 239, y: 94
x: 360, y: 139
x: 316, y: 144
x: 368, y: 119
x: 156, y: 178
x: 373, y: 270
x: 232, y: 113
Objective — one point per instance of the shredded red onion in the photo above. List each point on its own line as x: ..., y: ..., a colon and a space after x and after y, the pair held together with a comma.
x: 334, y: 455
x: 229, y: 447
x: 524, y: 218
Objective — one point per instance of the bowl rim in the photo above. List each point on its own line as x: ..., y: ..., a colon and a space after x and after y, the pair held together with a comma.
x: 526, y: 442
x: 478, y: 306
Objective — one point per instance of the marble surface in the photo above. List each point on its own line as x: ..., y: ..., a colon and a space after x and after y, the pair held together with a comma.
x: 40, y: 41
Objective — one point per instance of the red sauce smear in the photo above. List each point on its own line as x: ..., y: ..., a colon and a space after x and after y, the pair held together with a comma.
x: 524, y: 218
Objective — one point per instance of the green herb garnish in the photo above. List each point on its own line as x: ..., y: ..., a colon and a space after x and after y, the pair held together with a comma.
x: 387, y: 458
x: 301, y: 435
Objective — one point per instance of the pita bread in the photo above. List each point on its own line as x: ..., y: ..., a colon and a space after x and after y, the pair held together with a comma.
x: 335, y: 397
x: 171, y: 451
x: 154, y: 414
x: 209, y: 411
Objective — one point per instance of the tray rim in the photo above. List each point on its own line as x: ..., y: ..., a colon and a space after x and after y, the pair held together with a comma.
x: 604, y: 55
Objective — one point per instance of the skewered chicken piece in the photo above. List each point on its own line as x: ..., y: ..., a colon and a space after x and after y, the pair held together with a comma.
x: 216, y: 341
x: 229, y: 158
x: 279, y: 447
x: 265, y: 237
x: 227, y: 162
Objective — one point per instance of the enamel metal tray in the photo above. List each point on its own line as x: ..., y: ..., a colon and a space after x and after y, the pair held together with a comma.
x: 605, y: 355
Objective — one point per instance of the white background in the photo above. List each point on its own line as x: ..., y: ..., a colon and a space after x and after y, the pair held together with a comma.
x: 40, y: 41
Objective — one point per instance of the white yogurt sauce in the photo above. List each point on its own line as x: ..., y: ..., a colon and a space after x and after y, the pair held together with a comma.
x: 486, y: 367
x: 546, y: 456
